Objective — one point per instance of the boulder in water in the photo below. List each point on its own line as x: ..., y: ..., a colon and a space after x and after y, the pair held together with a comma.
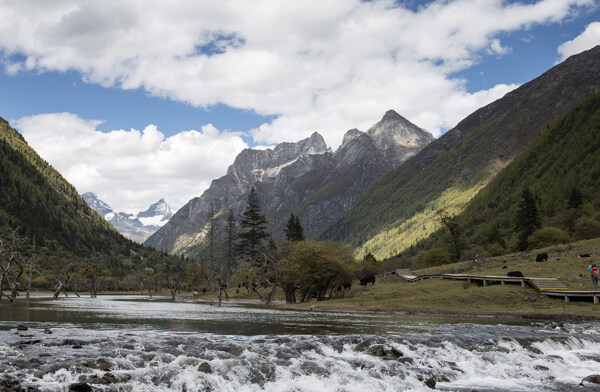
x: 102, y: 364
x: 205, y: 368
x: 430, y: 382
x: 377, y: 350
x: 110, y: 378
x: 22, y: 327
x: 80, y: 387
x: 593, y: 378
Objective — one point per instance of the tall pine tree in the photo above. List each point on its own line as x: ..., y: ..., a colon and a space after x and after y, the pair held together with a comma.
x: 253, y: 229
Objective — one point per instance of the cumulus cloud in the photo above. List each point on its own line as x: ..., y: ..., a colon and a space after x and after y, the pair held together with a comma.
x: 131, y: 169
x: 586, y: 40
x: 316, y: 66
x: 298, y: 60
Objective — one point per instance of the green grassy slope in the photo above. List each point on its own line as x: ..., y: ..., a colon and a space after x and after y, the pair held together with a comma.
x: 453, y: 168
x: 37, y: 199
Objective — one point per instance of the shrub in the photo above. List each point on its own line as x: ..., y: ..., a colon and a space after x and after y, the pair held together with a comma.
x: 587, y: 228
x: 547, y: 236
x: 433, y: 256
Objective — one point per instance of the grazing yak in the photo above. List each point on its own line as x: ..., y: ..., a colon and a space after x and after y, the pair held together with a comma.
x: 367, y: 279
x: 541, y: 257
x: 344, y: 286
x: 516, y: 274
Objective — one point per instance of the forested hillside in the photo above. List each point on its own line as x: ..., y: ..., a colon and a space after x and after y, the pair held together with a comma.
x: 43, y: 205
x: 561, y: 169
x: 402, y: 208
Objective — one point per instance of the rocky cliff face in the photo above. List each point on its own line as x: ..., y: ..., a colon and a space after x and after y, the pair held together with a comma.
x: 306, y: 178
x: 135, y: 227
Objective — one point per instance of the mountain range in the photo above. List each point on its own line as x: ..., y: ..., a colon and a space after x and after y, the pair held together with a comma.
x: 403, y: 207
x: 136, y: 227
x: 381, y: 191
x: 306, y: 178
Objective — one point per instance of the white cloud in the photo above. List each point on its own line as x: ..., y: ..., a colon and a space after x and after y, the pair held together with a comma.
x: 131, y: 169
x: 317, y: 66
x: 586, y: 40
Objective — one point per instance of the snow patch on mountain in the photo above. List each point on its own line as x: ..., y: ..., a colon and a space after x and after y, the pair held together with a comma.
x: 135, y: 227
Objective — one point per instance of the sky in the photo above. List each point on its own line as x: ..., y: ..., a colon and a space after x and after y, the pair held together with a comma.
x: 137, y: 100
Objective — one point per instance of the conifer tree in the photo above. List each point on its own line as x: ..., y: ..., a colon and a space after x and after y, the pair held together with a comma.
x: 457, y: 243
x: 293, y: 229
x: 299, y: 230
x: 253, y: 229
x: 528, y: 218
x: 575, y: 198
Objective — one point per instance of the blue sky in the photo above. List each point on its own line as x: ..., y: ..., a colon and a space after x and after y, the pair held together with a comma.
x: 137, y: 102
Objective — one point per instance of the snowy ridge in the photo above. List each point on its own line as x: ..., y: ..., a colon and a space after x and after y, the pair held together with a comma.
x: 135, y: 227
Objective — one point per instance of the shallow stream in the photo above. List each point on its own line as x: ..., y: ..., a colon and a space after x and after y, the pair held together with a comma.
x: 126, y: 343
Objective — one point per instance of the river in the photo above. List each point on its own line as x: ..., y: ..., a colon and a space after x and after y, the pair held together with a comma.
x: 127, y: 343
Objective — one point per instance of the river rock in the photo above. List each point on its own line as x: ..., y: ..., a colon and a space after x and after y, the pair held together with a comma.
x: 22, y: 327
x: 592, y: 378
x: 47, y: 331
x: 309, y: 367
x: 93, y: 379
x: 362, y: 346
x: 378, y: 350
x: 110, y: 378
x: 10, y: 384
x: 430, y: 382
x: 72, y: 342
x: 205, y: 368
x: 102, y: 364
x: 80, y: 387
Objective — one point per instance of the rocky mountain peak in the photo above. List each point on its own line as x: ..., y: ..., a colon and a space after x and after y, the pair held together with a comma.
x: 351, y: 135
x: 392, y: 115
x: 97, y: 205
x: 136, y: 228
x: 398, y: 138
x: 160, y: 208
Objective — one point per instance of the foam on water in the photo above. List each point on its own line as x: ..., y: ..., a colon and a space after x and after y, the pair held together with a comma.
x: 169, y: 361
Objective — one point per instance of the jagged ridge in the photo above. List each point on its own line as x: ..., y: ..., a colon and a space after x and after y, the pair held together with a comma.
x: 305, y: 177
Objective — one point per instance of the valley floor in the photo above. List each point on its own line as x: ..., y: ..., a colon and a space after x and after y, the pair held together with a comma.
x: 440, y: 296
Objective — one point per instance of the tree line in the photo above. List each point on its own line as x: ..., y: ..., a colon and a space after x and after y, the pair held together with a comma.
x: 240, y: 256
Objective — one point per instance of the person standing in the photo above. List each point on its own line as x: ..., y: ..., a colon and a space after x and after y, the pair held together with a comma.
x: 595, y: 274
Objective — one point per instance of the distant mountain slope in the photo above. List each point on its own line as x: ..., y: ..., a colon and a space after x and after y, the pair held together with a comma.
x: 38, y: 200
x: 306, y: 178
x: 135, y: 227
x: 563, y: 158
x: 401, y: 207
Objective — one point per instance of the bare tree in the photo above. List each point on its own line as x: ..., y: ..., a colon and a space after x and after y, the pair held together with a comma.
x: 31, y: 262
x: 91, y: 268
x: 142, y: 269
x: 13, y: 252
x: 64, y: 279
x: 172, y: 271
